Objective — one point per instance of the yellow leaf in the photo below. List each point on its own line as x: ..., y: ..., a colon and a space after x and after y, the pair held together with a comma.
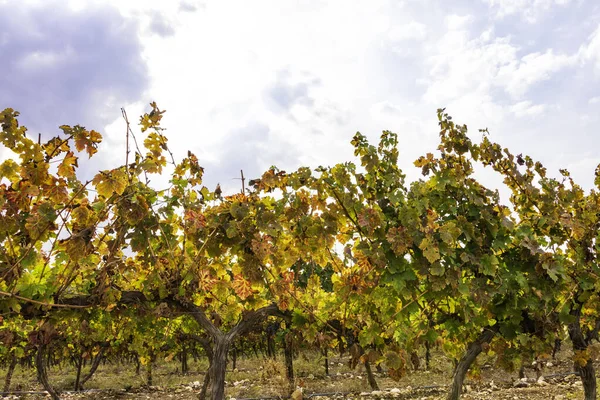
x: 9, y: 169
x: 581, y: 357
x: 109, y: 182
x: 67, y: 166
x: 430, y: 250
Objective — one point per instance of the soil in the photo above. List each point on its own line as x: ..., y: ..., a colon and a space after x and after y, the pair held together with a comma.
x: 552, y: 391
x: 260, y: 378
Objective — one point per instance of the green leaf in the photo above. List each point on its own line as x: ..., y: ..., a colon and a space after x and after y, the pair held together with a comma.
x: 565, y: 314
x: 238, y: 210
x: 489, y: 264
x: 437, y: 269
x: 299, y: 319
x: 46, y: 210
x: 464, y: 289
x: 431, y: 336
x: 449, y: 232
x: 232, y: 231
x: 393, y: 360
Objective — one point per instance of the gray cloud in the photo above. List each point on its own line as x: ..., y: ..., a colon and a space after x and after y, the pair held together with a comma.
x: 562, y: 28
x: 61, y: 66
x: 160, y: 26
x: 285, y: 93
x: 187, y: 6
x: 252, y: 148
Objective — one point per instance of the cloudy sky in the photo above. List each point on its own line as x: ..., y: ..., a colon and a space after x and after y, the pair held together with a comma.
x: 250, y: 84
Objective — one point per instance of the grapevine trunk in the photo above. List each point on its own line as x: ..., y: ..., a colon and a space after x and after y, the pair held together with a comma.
x: 580, y: 344
x: 218, y: 367
x: 465, y: 362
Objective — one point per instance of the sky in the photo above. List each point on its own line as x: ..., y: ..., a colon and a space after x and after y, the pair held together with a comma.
x: 250, y: 84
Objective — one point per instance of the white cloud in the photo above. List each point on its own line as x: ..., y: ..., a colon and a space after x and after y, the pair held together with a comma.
x: 455, y: 22
x: 527, y: 109
x: 288, y: 83
x: 230, y: 76
x: 462, y: 65
x: 412, y: 31
x: 477, y: 109
x: 519, y: 75
x: 530, y: 10
x: 590, y: 52
x: 190, y: 6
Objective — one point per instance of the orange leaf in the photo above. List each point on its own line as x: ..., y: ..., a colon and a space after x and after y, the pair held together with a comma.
x: 242, y: 287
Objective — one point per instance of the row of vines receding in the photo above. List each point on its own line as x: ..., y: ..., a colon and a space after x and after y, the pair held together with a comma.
x: 349, y: 257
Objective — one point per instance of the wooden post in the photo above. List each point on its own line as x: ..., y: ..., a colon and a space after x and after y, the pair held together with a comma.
x: 243, y: 181
x: 124, y: 113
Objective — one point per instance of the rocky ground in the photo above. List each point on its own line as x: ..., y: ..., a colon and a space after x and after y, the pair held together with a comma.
x: 265, y: 379
x: 568, y: 387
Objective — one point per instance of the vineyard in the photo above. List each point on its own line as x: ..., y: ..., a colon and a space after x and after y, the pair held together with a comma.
x: 349, y: 264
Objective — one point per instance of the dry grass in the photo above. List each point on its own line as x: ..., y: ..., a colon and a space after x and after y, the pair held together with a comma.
x: 261, y: 377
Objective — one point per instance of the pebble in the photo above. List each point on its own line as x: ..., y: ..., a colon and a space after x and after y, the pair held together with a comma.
x: 521, y: 383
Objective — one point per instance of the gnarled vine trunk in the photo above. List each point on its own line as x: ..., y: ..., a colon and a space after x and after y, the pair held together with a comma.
x: 184, y: 359
x: 218, y: 367
x: 204, y: 389
x: 149, y: 380
x: 427, y: 355
x: 93, y: 367
x: 79, y: 365
x: 326, y: 355
x: 370, y: 376
x: 42, y: 375
x: 234, y: 358
x: 209, y: 351
x: 220, y: 342
x: 580, y: 343
x: 271, y: 353
x: 10, y: 372
x: 465, y: 362
x: 288, y: 350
